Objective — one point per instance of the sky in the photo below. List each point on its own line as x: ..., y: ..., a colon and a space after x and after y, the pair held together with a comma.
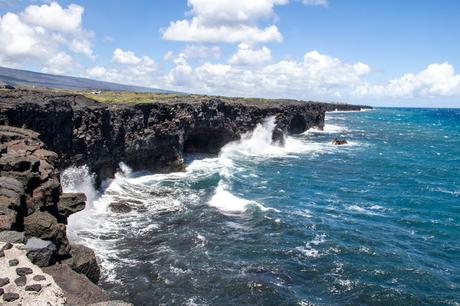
x: 381, y: 53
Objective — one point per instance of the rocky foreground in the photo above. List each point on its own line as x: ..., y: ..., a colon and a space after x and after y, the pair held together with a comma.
x: 42, y: 133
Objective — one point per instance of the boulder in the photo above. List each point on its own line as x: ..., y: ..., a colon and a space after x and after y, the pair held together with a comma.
x: 41, y: 252
x: 78, y: 289
x: 120, y: 207
x: 70, y: 203
x: 84, y: 261
x: 41, y: 225
x: 12, y: 236
x: 7, y: 218
x: 339, y: 142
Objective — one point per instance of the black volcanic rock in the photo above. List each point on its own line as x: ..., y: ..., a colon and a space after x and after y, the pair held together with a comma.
x: 148, y: 136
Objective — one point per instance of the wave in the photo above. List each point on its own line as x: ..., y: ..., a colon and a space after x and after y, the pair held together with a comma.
x: 225, y: 201
x: 328, y: 129
x: 336, y: 111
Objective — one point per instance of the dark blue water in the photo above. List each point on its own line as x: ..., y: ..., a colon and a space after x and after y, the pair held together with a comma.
x: 374, y: 222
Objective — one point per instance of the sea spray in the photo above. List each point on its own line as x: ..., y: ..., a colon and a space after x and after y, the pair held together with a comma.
x: 256, y: 143
x: 79, y: 179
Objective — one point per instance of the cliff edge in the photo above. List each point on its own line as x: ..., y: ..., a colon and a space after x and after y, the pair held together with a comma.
x: 150, y: 136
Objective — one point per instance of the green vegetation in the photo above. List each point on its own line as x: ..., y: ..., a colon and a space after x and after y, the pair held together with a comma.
x: 131, y: 97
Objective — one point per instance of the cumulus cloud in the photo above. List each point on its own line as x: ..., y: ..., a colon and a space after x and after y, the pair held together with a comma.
x: 200, y: 51
x: 41, y: 32
x: 435, y: 80
x: 54, y: 17
x: 130, y: 69
x: 313, y: 76
x: 125, y: 57
x: 61, y: 63
x: 248, y: 55
x: 226, y: 21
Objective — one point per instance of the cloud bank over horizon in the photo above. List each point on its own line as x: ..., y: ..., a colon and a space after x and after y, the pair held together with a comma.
x: 53, y: 37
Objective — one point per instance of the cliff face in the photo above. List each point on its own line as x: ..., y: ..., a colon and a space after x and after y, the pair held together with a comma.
x: 151, y: 136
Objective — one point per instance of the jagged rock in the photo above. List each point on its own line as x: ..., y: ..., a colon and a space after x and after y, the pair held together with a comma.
x: 84, y: 261
x: 20, y: 281
x: 7, y: 218
x: 120, y: 207
x: 12, y: 236
x: 4, y: 281
x: 41, y: 252
x: 339, y: 142
x: 78, y: 289
x: 34, y: 287
x: 2, y: 291
x: 11, y: 191
x: 13, y: 262
x: 23, y: 271
x: 149, y: 136
x: 41, y: 225
x: 10, y: 296
x: 70, y: 203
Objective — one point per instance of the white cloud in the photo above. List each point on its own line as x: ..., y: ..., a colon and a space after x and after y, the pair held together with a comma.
x: 168, y: 56
x: 61, y: 63
x: 226, y: 21
x: 435, y: 80
x: 199, y: 51
x: 129, y: 69
x: 19, y: 40
x: 41, y: 32
x: 54, y: 17
x: 99, y: 72
x: 247, y: 55
x: 317, y: 75
x: 125, y: 57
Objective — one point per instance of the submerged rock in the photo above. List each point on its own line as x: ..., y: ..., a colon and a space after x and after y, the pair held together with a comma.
x: 120, y: 207
x: 339, y: 142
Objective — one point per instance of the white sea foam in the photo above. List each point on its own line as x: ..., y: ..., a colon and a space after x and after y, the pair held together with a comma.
x: 225, y: 201
x: 328, y: 129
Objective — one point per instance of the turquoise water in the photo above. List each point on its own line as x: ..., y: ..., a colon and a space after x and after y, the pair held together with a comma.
x: 374, y: 222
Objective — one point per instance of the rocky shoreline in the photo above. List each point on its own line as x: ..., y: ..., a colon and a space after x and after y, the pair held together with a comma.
x: 42, y: 133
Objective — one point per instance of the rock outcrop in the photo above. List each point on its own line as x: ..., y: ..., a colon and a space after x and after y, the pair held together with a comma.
x: 33, y: 209
x: 150, y: 136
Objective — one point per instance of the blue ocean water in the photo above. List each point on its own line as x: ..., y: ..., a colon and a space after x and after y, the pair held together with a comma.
x: 373, y: 222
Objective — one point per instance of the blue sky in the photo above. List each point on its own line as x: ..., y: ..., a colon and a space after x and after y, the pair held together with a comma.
x: 401, y: 53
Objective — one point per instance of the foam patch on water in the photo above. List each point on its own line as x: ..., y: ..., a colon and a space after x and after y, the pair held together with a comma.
x: 328, y: 129
x: 225, y: 201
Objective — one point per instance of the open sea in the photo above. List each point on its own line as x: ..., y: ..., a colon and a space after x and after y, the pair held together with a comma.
x: 373, y: 222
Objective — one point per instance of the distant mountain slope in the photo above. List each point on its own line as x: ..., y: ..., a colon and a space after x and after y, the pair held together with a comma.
x: 23, y: 77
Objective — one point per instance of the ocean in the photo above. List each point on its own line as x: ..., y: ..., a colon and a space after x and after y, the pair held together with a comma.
x: 373, y: 222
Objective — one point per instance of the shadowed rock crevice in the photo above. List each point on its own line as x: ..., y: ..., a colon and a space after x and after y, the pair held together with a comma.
x: 208, y: 141
x: 297, y: 125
